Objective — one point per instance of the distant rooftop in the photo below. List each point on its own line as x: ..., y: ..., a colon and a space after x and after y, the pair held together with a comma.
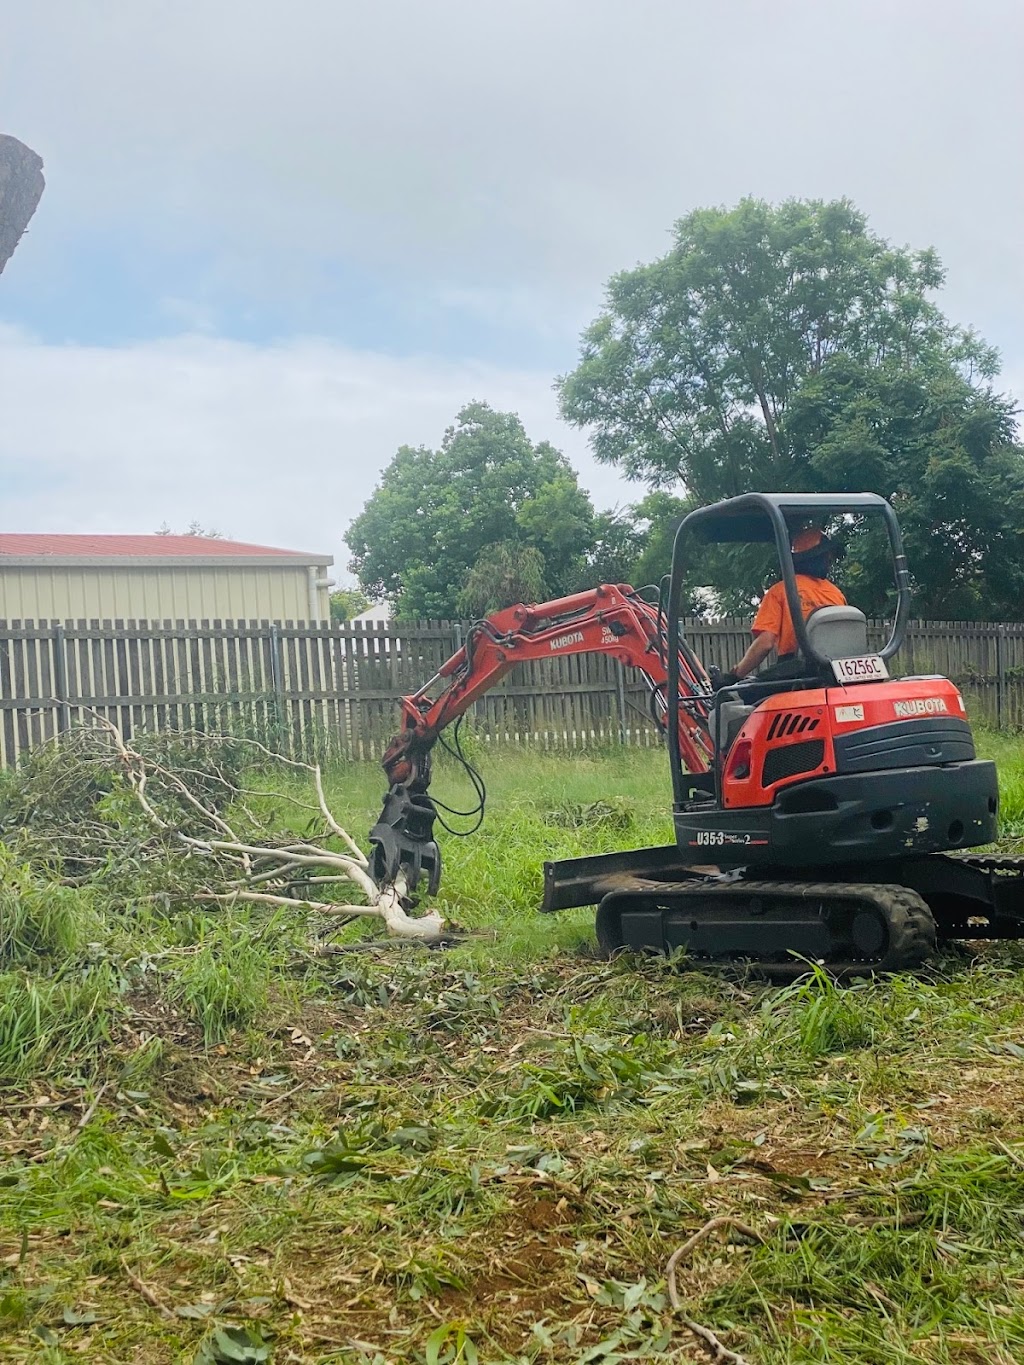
x: 30, y: 545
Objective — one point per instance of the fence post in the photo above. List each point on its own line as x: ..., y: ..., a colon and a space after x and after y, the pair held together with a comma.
x: 1000, y: 677
x: 60, y: 679
x: 620, y: 676
x: 910, y: 648
x: 276, y: 679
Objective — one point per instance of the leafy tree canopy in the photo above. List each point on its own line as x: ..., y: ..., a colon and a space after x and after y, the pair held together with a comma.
x: 789, y: 347
x: 348, y: 602
x: 194, y: 528
x: 503, y: 574
x: 617, y: 549
x: 473, y: 507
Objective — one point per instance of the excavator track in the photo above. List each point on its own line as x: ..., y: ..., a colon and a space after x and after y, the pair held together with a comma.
x: 991, y: 862
x: 774, y: 927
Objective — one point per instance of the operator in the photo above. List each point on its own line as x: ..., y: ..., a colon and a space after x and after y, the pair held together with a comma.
x: 813, y: 555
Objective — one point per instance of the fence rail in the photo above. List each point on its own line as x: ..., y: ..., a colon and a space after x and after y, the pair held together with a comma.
x: 333, y: 687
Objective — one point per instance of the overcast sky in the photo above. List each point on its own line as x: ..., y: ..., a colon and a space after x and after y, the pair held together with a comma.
x: 279, y: 240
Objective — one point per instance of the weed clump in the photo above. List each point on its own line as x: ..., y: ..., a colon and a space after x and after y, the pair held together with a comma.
x: 821, y: 1016
x: 40, y: 919
x: 225, y: 984
x: 49, y: 1025
x: 614, y: 813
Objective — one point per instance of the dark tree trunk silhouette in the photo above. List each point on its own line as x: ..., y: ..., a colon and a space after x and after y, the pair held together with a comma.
x: 21, y: 188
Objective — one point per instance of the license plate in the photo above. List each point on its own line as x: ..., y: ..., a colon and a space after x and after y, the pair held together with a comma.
x: 864, y: 668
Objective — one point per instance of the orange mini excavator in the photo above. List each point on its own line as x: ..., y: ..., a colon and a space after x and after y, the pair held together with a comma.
x: 824, y: 815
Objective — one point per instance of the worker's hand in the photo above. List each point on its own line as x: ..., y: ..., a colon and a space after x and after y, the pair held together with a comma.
x: 724, y: 680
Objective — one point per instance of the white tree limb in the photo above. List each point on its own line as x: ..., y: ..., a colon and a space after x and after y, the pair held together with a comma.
x: 388, y: 907
x: 318, y: 783
x: 385, y: 903
x: 268, y: 898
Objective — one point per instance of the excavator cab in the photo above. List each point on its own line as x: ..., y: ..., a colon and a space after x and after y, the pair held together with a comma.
x: 833, y: 632
x: 829, y: 633
x: 815, y: 762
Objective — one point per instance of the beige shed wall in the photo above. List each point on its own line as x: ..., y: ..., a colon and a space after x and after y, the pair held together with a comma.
x: 159, y: 594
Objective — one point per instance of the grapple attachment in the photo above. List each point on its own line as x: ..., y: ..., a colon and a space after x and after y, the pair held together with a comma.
x: 402, y: 841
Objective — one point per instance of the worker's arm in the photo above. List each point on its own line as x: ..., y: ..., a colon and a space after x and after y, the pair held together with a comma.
x: 761, y: 646
x: 767, y: 629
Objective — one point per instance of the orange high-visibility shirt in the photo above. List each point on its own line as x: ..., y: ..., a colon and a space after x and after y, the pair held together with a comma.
x: 773, y: 613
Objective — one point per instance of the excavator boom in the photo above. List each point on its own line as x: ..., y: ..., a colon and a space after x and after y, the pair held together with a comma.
x: 612, y: 619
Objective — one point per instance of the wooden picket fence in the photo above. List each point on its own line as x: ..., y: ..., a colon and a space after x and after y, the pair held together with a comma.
x: 332, y: 688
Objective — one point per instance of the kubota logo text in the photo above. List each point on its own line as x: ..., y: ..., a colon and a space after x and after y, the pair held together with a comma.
x: 920, y: 706
x: 574, y: 637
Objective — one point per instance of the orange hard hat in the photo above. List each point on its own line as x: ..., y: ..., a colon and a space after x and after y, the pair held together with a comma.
x: 802, y: 542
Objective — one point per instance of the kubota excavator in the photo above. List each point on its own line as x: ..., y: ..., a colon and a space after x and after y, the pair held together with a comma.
x: 821, y: 816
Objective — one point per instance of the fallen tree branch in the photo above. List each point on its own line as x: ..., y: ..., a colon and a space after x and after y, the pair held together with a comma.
x: 318, y: 784
x: 138, y: 776
x: 1015, y: 1157
x: 717, y: 1350
x: 895, y: 1220
x: 268, y: 898
x: 86, y: 1118
x: 386, y: 903
x: 146, y: 1293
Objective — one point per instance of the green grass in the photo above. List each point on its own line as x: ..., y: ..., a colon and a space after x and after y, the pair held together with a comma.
x: 490, y: 1153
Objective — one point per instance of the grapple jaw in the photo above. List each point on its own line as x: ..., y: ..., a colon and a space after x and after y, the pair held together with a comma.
x: 402, y: 841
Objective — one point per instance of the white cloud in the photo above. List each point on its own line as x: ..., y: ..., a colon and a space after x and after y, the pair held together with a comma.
x: 490, y: 164
x: 487, y: 147
x: 275, y: 444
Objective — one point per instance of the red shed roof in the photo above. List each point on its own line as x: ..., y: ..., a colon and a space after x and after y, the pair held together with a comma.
x: 28, y: 544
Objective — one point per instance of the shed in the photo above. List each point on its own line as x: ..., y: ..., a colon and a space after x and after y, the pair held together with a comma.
x: 380, y: 611
x: 158, y: 578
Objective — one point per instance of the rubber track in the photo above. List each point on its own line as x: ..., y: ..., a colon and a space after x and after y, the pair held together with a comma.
x: 912, y: 931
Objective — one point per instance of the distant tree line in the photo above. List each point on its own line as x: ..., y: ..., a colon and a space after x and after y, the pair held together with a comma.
x: 772, y: 348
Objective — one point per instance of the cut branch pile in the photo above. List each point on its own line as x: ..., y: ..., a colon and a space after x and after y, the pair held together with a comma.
x: 192, y: 812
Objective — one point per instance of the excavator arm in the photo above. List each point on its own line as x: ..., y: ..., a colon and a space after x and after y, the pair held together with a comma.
x: 612, y: 619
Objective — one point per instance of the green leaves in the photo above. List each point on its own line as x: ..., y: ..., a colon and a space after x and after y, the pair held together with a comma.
x: 450, y: 1345
x: 347, y: 602
x: 789, y: 347
x: 506, y: 573
x: 489, y: 504
x: 233, y: 1346
x: 72, y: 1318
x: 354, y: 1152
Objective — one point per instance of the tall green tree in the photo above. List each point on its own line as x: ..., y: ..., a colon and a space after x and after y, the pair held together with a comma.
x: 504, y: 574
x: 437, y: 515
x: 790, y: 347
x: 348, y: 602
x: 617, y: 544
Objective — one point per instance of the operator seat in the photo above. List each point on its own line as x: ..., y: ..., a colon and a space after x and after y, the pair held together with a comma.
x: 838, y: 632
